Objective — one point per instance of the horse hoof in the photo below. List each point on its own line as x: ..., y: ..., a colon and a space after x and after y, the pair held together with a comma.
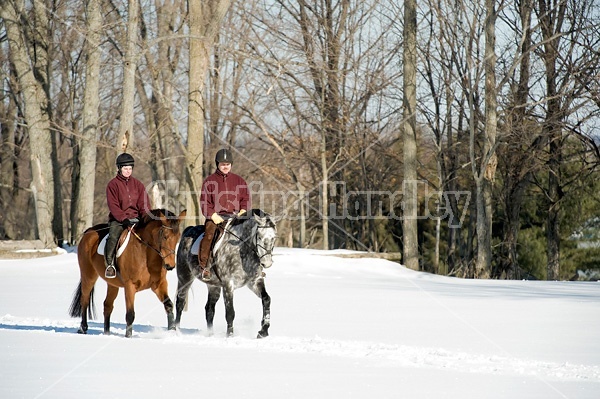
x: 262, y: 335
x: 81, y: 331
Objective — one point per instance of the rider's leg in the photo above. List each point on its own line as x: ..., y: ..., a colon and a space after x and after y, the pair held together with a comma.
x: 205, y: 243
x: 114, y: 232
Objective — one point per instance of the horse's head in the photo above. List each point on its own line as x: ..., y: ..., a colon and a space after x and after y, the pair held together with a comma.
x: 265, y: 234
x: 167, y: 235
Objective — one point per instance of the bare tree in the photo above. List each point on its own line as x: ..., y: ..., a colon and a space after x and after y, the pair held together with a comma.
x: 322, y: 75
x: 83, y: 190
x: 484, y: 177
x: 12, y: 140
x: 130, y: 59
x: 570, y: 73
x: 161, y: 41
x: 552, y: 19
x: 442, y: 57
x: 519, y: 154
x: 205, y: 18
x: 36, y: 118
x: 409, y: 128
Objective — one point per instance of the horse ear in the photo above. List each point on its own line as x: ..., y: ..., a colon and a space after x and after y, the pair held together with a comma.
x: 261, y: 219
x: 276, y: 218
x: 162, y: 217
x: 256, y: 217
x: 182, y: 215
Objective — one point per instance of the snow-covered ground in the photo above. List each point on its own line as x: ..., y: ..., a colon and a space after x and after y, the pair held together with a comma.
x: 340, y: 328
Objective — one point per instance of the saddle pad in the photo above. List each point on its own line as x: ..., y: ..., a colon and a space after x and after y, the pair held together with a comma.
x: 102, y: 245
x: 196, y: 245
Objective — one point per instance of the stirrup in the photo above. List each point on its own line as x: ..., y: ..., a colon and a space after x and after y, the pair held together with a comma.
x: 205, y: 274
x: 110, y: 272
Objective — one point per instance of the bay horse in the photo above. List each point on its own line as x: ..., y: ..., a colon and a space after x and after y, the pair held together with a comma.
x: 238, y: 260
x: 142, y: 265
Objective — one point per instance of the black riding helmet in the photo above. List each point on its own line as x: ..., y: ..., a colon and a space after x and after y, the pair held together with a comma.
x: 125, y: 159
x: 223, y: 155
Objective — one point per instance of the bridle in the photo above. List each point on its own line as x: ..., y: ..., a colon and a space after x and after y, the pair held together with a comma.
x: 160, y: 241
x: 256, y: 243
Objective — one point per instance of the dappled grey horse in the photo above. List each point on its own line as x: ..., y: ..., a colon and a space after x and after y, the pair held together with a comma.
x: 238, y: 260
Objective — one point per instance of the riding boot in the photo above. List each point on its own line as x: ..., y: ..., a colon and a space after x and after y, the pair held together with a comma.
x: 114, y: 232
x: 205, y: 244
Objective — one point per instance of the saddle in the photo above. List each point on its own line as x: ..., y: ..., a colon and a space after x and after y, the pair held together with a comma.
x: 121, y: 245
x: 216, y: 242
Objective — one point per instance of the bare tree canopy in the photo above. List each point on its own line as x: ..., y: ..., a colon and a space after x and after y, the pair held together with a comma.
x: 460, y: 134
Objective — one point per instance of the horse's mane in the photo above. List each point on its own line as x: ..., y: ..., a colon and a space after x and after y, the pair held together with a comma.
x: 253, y: 212
x: 154, y: 216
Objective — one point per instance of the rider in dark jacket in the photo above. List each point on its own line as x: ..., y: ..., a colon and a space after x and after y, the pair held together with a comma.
x: 223, y: 194
x: 127, y: 201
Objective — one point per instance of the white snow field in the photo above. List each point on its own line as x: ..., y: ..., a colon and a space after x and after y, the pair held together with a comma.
x: 340, y: 328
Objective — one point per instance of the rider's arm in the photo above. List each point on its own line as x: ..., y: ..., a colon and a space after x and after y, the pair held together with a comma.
x: 243, y: 196
x: 113, y: 201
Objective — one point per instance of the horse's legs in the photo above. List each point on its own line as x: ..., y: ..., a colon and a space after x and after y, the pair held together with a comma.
x: 229, y: 310
x: 83, y: 301
x: 87, y: 290
x: 184, y: 282
x: 85, y: 304
x: 130, y: 311
x: 260, y: 290
x: 109, y: 302
x: 214, y: 293
x: 162, y: 293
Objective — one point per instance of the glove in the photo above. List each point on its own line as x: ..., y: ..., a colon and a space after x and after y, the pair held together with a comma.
x: 216, y: 218
x: 129, y: 222
x: 241, y: 213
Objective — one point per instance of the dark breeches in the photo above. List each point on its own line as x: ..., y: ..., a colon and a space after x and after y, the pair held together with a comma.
x: 114, y: 232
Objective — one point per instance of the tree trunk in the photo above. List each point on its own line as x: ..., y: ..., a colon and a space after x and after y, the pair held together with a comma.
x: 487, y: 172
x: 302, y: 206
x: 40, y: 45
x: 84, y: 200
x: 9, y: 170
x: 409, y: 219
x: 38, y: 124
x: 551, y: 24
x: 129, y: 66
x: 324, y: 192
x: 553, y: 225
x: 204, y: 24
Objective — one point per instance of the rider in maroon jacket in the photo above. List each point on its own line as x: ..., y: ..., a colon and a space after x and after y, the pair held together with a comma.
x: 127, y: 201
x: 223, y: 194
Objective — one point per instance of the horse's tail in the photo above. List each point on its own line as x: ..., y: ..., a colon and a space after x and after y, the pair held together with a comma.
x: 75, y: 310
